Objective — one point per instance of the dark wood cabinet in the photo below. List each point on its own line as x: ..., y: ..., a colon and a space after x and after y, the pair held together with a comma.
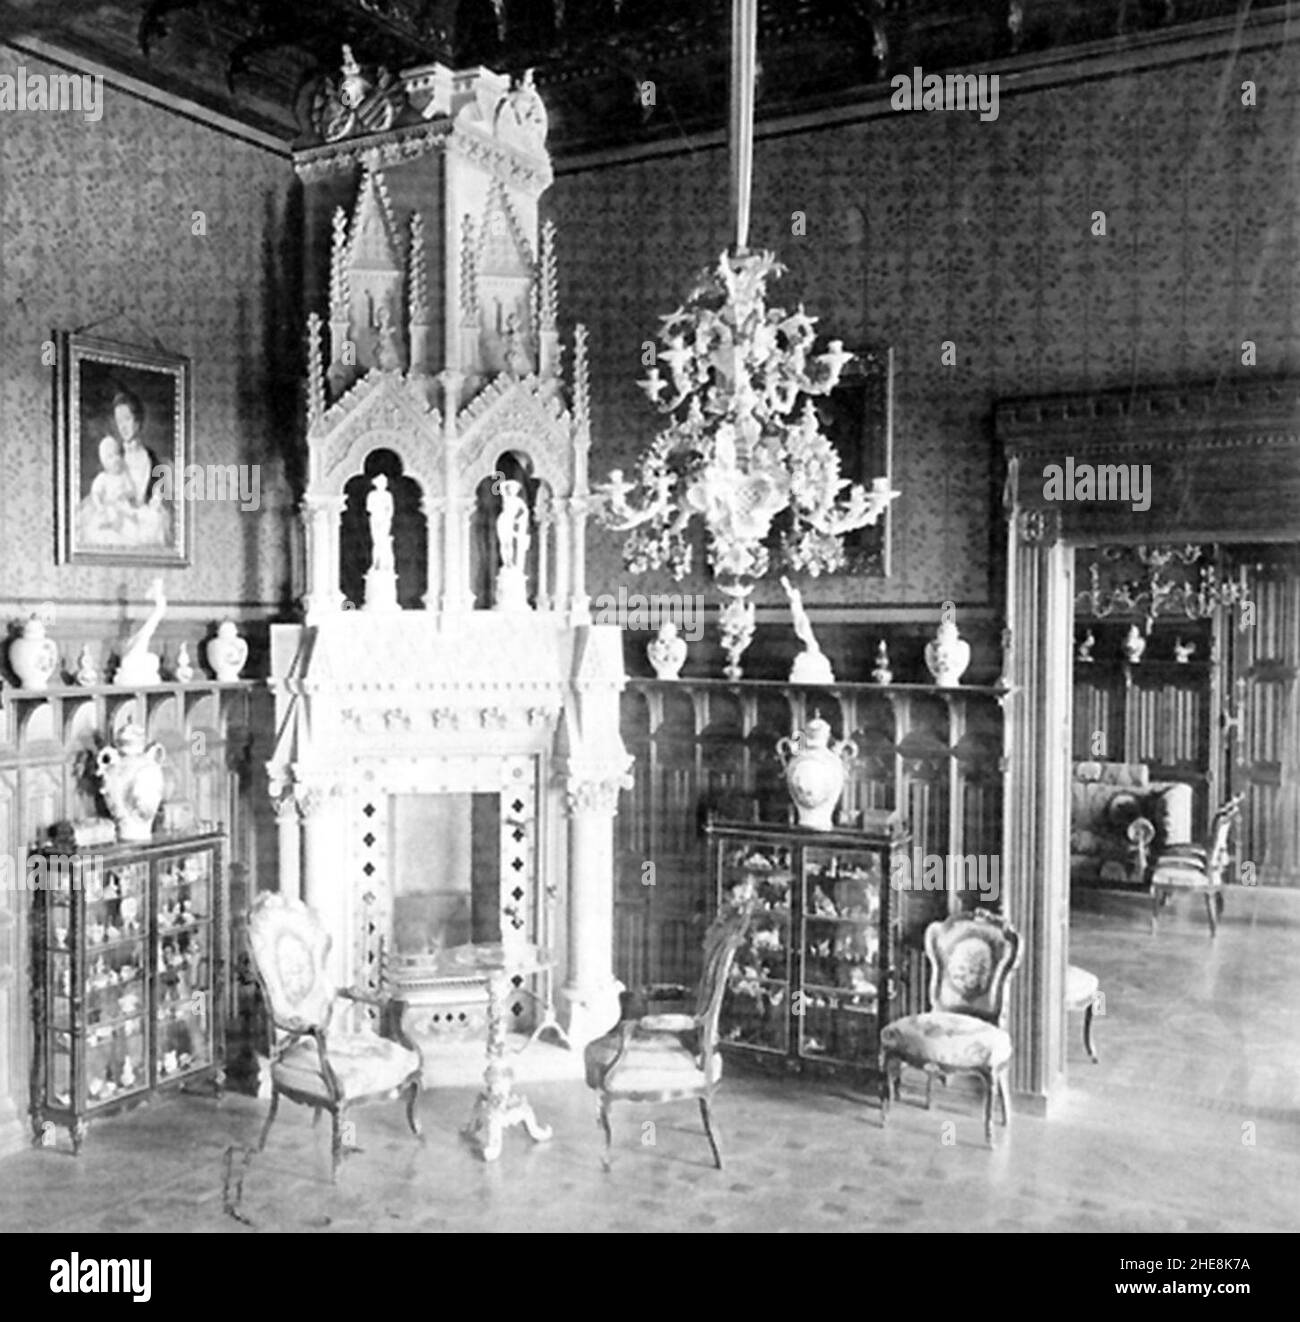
x: 130, y: 962
x: 814, y: 981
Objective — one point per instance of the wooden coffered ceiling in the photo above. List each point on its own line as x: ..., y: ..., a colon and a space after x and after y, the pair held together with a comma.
x: 257, y: 61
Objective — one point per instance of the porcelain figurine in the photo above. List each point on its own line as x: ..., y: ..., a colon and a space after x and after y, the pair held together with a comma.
x: 814, y: 771
x: 1134, y: 644
x: 131, y: 777
x: 227, y: 652
x: 667, y: 651
x: 128, y: 1073
x: 138, y: 664
x: 87, y: 671
x: 881, y: 673
x: 184, y: 670
x: 1086, y: 644
x: 947, y: 655
x: 812, y: 665
x: 32, y: 656
x: 1183, y: 651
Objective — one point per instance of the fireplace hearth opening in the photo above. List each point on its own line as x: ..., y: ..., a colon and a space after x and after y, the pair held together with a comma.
x: 445, y: 852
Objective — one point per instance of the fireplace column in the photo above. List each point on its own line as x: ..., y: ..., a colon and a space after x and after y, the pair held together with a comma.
x: 321, y: 516
x: 288, y: 820
x: 325, y: 884
x: 590, y: 991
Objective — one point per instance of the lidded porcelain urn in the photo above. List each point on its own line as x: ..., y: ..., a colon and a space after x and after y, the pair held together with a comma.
x: 947, y: 654
x: 33, y: 656
x: 667, y: 651
x: 227, y: 652
x: 814, y: 771
x: 131, y: 778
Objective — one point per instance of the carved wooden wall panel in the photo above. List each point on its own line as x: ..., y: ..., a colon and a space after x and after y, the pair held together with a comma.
x: 709, y: 744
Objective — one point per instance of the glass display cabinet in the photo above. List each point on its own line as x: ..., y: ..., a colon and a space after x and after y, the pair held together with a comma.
x: 811, y: 986
x: 129, y: 970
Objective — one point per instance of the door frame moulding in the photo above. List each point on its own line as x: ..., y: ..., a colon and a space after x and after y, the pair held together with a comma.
x: 1224, y: 466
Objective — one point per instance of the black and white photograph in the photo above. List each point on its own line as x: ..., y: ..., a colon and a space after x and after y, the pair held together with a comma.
x: 630, y: 618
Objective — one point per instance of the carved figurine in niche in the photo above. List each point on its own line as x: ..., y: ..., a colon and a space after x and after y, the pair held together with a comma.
x: 388, y: 349
x: 517, y: 359
x: 381, y: 577
x: 513, y: 540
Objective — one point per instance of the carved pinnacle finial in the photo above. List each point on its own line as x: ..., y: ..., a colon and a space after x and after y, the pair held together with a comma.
x: 547, y: 280
x: 419, y: 275
x: 315, y: 372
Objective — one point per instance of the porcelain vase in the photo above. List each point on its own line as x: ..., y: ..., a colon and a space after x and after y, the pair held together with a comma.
x: 947, y: 655
x: 131, y: 778
x: 227, y: 653
x: 814, y: 772
x: 1134, y: 644
x: 32, y: 656
x: 667, y: 652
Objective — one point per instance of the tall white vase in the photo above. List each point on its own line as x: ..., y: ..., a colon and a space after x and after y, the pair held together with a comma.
x: 947, y: 655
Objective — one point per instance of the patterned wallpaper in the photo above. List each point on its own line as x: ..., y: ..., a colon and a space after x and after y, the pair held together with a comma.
x: 96, y: 228
x: 925, y: 227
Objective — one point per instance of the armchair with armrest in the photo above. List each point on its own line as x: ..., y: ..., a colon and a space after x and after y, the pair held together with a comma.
x: 670, y: 1057
x: 311, y: 1063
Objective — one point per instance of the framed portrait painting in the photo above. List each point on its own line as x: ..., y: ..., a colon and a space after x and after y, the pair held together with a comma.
x: 858, y: 419
x: 123, y: 423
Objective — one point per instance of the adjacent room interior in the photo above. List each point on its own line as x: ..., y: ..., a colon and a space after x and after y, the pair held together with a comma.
x: 706, y: 566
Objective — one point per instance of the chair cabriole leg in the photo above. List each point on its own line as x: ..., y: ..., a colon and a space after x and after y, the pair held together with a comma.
x: 706, y: 1111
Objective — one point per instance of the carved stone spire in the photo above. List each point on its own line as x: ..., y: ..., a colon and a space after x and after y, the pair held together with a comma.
x: 315, y: 372
x: 418, y: 294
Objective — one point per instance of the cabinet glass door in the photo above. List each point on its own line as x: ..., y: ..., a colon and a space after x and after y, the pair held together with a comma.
x: 115, y: 911
x: 756, y: 1008
x: 837, y: 1013
x: 184, y: 964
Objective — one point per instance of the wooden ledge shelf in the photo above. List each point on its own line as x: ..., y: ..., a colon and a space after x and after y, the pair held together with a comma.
x: 13, y: 693
x: 855, y: 686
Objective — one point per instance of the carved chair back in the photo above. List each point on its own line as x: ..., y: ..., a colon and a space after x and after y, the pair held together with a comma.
x: 971, y: 956
x: 290, y: 948
x: 1218, y: 852
x: 721, y: 941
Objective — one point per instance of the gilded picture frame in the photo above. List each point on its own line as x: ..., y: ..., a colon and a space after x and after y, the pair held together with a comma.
x: 123, y: 440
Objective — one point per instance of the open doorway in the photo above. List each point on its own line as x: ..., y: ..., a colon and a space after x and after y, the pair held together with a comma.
x: 1222, y: 466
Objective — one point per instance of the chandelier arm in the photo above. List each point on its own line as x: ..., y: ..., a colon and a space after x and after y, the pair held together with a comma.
x: 744, y: 31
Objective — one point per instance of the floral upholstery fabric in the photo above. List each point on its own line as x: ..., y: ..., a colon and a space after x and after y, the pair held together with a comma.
x: 950, y: 1041
x: 656, y: 1063
x: 364, y: 1064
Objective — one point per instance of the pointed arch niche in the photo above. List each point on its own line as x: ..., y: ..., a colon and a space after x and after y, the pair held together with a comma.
x: 410, y: 531
x: 1222, y: 464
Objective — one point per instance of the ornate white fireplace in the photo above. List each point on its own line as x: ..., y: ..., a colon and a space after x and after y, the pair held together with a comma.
x: 448, y: 758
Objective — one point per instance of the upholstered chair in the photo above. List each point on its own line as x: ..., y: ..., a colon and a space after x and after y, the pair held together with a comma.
x: 1197, y: 869
x: 670, y: 1057
x: 971, y: 958
x: 327, y: 1068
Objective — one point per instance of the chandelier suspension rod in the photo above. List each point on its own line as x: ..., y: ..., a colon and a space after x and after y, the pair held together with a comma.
x: 740, y: 137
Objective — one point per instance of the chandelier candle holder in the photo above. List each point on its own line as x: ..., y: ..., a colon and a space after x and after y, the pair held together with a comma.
x: 742, y: 451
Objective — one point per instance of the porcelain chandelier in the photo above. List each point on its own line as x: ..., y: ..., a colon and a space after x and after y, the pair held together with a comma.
x: 742, y: 452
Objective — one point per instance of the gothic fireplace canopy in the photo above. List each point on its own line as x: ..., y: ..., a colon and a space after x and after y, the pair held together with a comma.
x: 447, y: 647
